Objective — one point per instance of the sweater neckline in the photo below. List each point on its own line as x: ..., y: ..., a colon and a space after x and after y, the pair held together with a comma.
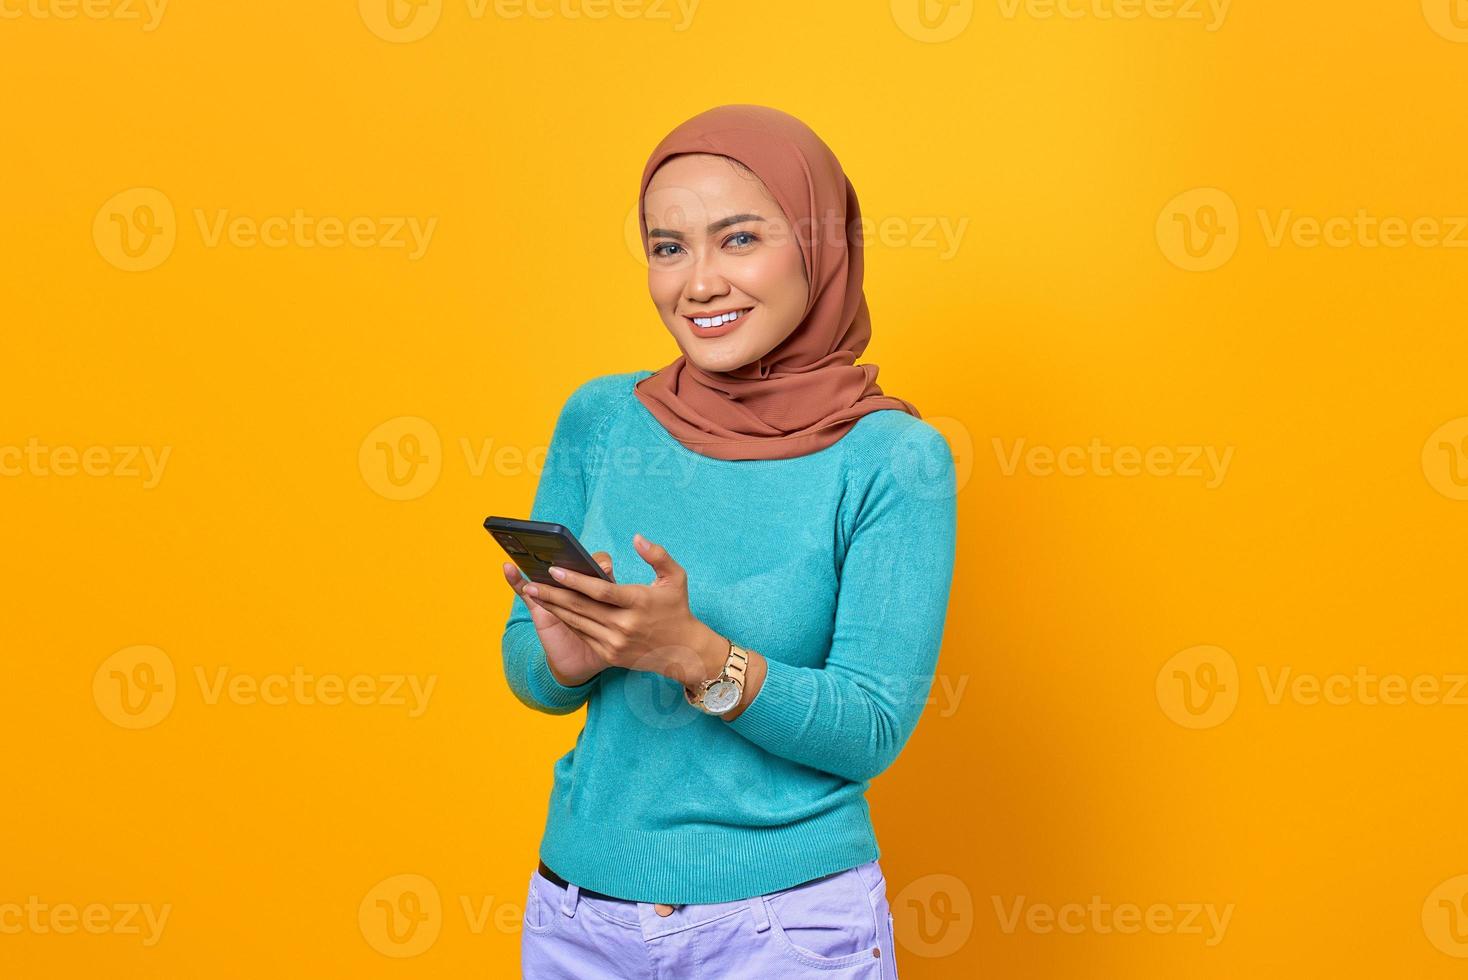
x: 665, y: 436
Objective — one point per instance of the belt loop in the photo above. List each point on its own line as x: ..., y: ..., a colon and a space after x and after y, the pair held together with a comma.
x: 761, y: 913
x: 568, y: 901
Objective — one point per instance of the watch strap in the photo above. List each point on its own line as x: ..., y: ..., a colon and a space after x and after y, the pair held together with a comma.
x: 735, y: 669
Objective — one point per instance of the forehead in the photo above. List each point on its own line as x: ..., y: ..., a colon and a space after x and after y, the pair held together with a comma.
x: 695, y: 188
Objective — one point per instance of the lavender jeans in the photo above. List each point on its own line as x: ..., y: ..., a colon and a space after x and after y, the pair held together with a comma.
x: 837, y: 926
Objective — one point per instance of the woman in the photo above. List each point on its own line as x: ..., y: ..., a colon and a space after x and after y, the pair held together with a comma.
x: 785, y: 538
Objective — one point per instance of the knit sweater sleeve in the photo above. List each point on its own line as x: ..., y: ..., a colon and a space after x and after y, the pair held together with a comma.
x: 560, y: 497
x: 853, y: 716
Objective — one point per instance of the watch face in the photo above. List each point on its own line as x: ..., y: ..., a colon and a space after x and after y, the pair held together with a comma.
x: 721, y: 696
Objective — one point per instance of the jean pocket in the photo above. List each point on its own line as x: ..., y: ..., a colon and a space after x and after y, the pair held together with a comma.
x: 829, y: 923
x: 539, y: 914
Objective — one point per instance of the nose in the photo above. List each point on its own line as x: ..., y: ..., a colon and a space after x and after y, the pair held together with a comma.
x: 705, y: 281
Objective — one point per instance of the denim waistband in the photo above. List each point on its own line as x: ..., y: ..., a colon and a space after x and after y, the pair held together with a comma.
x: 557, y: 880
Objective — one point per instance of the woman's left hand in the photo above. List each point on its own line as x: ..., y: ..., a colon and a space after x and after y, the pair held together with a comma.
x: 639, y: 627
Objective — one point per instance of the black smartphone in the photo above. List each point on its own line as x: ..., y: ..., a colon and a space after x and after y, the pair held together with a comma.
x: 534, y: 546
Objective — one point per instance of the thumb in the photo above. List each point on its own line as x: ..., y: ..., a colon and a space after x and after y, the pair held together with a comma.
x: 657, y: 556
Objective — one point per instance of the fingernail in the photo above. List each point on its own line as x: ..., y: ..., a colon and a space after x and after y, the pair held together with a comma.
x: 532, y: 590
x: 557, y: 573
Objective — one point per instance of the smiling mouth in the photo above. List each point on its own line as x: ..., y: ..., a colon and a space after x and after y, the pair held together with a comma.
x: 713, y: 323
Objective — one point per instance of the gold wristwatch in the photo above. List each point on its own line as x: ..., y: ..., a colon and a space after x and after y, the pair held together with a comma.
x: 720, y: 695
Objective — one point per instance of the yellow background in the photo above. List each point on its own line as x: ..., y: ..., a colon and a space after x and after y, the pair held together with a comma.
x: 270, y: 544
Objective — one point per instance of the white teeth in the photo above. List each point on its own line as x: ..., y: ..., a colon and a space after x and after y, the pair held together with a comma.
x: 716, y: 321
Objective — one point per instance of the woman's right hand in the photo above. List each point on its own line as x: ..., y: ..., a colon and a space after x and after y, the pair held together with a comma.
x: 571, y: 661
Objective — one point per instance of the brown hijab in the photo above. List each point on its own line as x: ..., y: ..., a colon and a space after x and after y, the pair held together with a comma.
x: 808, y: 391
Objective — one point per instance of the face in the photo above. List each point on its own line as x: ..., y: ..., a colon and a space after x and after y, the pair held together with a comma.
x: 719, y: 243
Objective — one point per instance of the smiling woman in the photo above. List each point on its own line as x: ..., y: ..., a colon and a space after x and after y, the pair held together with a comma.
x: 736, y: 276
x: 787, y: 598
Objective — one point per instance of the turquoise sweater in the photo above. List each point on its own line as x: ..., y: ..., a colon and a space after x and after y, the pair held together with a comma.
x: 835, y: 566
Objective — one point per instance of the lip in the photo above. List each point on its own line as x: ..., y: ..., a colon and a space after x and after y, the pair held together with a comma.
x: 718, y: 331
x: 709, y: 313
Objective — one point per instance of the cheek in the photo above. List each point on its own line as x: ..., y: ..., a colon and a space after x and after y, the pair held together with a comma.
x: 664, y: 289
x: 777, y: 278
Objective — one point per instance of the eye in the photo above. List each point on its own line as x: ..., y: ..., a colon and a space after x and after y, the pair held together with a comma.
x: 656, y: 249
x: 742, y: 234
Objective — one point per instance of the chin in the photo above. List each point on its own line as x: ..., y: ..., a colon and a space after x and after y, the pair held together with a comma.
x: 719, y: 364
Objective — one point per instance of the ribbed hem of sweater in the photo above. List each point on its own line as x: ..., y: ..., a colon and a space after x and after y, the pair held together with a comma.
x: 547, y: 690
x: 686, y: 867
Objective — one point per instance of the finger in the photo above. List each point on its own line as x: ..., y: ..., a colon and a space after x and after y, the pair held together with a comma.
x: 604, y: 559
x: 518, y: 582
x: 608, y: 593
x: 570, y: 599
x: 657, y: 556
x: 592, y: 631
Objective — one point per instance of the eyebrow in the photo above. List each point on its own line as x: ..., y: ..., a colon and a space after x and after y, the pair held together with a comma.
x: 733, y: 219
